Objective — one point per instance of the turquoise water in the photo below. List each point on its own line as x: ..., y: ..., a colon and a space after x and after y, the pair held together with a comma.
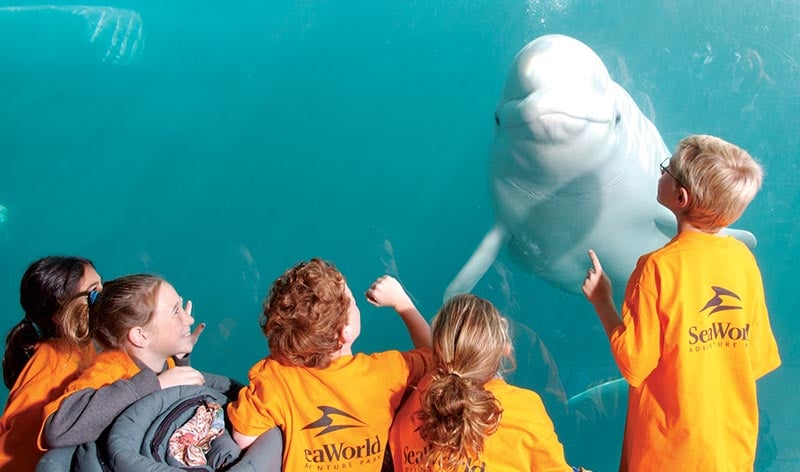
x: 223, y: 143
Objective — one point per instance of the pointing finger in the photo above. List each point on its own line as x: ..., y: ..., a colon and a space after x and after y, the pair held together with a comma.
x: 197, y: 332
x: 596, y: 267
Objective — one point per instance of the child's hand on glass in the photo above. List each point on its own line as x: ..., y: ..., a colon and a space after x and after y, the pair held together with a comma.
x: 198, y: 330
x: 387, y: 291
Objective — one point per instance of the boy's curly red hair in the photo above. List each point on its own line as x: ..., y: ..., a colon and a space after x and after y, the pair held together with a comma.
x: 304, y: 314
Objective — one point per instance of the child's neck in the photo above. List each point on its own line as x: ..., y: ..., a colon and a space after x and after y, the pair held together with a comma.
x: 345, y: 350
x: 685, y: 226
x: 155, y: 362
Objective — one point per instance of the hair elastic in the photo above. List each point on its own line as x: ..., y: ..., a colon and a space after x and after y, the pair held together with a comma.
x: 35, y: 327
x: 92, y: 296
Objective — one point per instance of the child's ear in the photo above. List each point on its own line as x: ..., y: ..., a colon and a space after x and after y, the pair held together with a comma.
x: 138, y: 337
x: 683, y: 198
x: 346, y: 335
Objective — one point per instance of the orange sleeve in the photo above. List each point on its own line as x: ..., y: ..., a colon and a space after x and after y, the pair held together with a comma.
x: 40, y: 382
x: 43, y: 379
x: 91, y: 378
x: 636, y: 344
x: 764, y: 357
x: 250, y: 414
x: 406, y: 445
x: 419, y: 362
x: 108, y: 367
x: 547, y: 453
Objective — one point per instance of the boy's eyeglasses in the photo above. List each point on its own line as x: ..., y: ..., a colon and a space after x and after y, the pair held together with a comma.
x: 665, y: 170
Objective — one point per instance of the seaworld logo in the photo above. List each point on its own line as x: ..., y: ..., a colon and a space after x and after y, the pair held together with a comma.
x: 719, y: 332
x: 413, y: 456
x: 716, y: 301
x: 327, y: 423
x: 334, y: 419
x: 335, y: 452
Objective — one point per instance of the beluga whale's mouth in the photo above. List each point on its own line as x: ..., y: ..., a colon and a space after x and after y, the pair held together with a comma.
x: 555, y: 120
x: 559, y: 126
x: 566, y: 115
x: 548, y: 108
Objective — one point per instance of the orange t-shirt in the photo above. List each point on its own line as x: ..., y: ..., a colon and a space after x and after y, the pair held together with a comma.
x: 107, y: 368
x: 54, y: 364
x: 694, y: 339
x: 335, y: 418
x: 524, y: 440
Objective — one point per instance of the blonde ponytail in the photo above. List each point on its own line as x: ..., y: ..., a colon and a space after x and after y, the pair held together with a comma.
x: 457, y: 415
x: 470, y: 344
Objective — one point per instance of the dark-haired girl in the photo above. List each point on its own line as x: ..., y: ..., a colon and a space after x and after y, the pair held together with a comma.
x: 38, y: 363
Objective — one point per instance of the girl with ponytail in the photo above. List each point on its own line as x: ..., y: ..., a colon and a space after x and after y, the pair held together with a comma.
x: 38, y: 362
x: 463, y: 416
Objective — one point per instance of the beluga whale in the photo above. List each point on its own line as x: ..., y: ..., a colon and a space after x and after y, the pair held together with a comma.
x: 110, y: 34
x: 574, y: 165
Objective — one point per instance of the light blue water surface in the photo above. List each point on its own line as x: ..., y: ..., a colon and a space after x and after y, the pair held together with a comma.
x: 219, y: 143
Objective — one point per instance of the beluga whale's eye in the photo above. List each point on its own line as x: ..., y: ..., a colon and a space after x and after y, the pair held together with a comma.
x: 497, y: 119
x: 617, y: 119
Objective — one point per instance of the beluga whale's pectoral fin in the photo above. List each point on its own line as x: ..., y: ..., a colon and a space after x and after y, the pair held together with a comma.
x: 666, y: 223
x: 480, y: 261
x: 742, y: 235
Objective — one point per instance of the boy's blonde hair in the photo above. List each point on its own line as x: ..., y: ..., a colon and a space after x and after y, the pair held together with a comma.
x: 304, y: 313
x: 471, y: 345
x: 721, y: 179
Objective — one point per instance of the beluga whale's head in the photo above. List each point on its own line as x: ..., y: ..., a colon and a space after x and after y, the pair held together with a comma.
x: 558, y: 106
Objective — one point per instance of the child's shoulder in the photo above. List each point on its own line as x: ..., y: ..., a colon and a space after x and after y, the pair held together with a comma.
x: 111, y: 364
x: 359, y: 362
x: 515, y: 400
x: 499, y: 387
x: 51, y: 349
x: 369, y: 362
x: 699, y: 244
x: 422, y: 355
x: 264, y: 365
x: 113, y: 356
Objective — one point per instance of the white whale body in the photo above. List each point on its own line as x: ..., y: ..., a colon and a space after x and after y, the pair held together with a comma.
x: 573, y: 166
x: 116, y: 34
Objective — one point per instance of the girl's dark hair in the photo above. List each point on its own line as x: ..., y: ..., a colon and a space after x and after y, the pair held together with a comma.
x: 45, y: 286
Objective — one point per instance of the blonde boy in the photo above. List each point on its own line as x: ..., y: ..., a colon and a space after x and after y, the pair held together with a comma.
x: 694, y: 335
